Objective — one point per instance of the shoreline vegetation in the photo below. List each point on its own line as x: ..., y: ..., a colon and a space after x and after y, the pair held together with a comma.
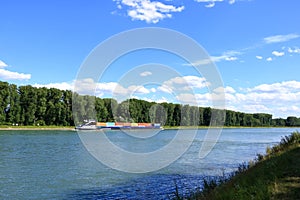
x: 275, y: 175
x: 36, y: 128
x: 67, y: 128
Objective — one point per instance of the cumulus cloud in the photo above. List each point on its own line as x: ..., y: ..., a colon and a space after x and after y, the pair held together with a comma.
x: 269, y: 59
x: 272, y: 98
x: 148, y: 11
x: 280, y: 38
x: 227, y: 89
x: 259, y: 57
x: 277, y: 53
x: 280, y: 99
x: 10, y: 75
x: 185, y: 83
x: 146, y: 73
x: 89, y: 87
x: 285, y: 87
x: 61, y: 86
x: 294, y: 50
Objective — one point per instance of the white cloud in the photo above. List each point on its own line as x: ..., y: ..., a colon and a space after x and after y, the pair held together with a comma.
x: 146, y: 73
x: 9, y: 75
x: 115, y: 89
x: 212, y: 3
x: 226, y: 56
x: 149, y: 11
x: 61, y: 86
x: 89, y: 87
x: 2, y: 64
x: 165, y: 89
x: 277, y: 53
x: 186, y: 98
x: 153, y: 90
x: 280, y: 38
x: 272, y: 98
x: 159, y: 100
x: 196, y: 82
x: 227, y: 89
x: 294, y: 50
x: 269, y: 59
x: 231, y: 58
x: 232, y: 55
x: 185, y: 83
x: 138, y: 89
x: 280, y: 99
x: 285, y: 86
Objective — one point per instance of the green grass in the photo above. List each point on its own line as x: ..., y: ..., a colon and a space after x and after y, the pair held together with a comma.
x: 35, y: 127
x: 223, y: 127
x: 275, y: 175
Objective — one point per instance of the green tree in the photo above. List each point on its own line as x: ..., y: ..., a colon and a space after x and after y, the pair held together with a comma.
x: 4, y: 101
x: 13, y: 116
x: 292, y: 121
x: 185, y: 115
x: 112, y: 109
x: 177, y: 115
x: 28, y: 102
x: 101, y: 110
x: 206, y: 116
x: 41, y: 105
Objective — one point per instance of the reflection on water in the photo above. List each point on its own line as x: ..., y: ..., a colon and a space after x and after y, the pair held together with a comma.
x: 55, y: 164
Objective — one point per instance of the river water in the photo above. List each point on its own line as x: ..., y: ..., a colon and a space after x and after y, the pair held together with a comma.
x: 56, y: 165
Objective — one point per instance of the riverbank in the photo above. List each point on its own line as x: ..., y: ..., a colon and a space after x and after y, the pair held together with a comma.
x: 223, y: 127
x: 32, y: 128
x: 275, y: 175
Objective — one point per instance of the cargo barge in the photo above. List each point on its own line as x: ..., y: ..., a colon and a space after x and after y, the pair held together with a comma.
x: 93, y: 125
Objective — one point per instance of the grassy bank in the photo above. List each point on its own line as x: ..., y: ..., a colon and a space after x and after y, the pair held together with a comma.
x: 223, y: 127
x: 6, y: 127
x: 275, y: 175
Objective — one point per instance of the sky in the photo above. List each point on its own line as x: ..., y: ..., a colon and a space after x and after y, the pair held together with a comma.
x: 255, y: 45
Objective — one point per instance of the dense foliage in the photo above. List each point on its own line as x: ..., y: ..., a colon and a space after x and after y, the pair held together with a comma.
x: 27, y: 105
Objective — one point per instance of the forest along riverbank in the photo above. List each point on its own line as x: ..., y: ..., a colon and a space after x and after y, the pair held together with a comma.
x: 28, y: 105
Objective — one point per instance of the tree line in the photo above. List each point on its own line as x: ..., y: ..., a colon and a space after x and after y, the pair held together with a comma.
x: 27, y: 105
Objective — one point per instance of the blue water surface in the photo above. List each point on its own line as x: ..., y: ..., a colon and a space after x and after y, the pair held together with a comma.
x: 56, y: 165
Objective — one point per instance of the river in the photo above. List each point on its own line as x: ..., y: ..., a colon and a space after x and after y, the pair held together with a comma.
x: 56, y: 165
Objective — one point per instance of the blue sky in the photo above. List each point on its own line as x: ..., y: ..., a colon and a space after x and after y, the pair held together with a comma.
x: 255, y: 45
